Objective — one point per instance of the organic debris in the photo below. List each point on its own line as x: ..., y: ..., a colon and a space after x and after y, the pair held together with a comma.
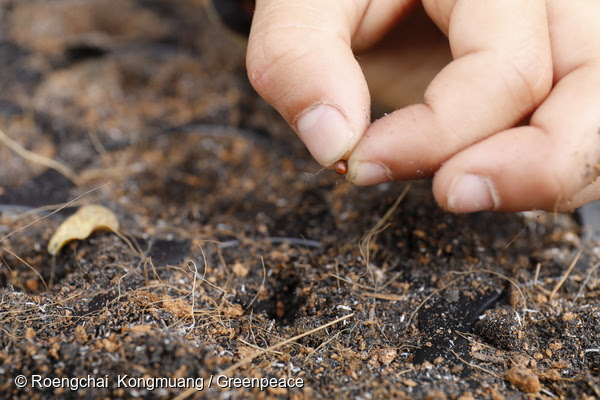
x: 80, y: 225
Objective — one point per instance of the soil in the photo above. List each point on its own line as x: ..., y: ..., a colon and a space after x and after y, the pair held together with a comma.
x: 237, y: 254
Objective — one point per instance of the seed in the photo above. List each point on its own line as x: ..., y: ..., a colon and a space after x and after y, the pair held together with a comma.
x: 341, y: 167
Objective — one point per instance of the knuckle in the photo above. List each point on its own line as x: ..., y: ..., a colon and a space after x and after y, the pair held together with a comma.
x: 533, y: 72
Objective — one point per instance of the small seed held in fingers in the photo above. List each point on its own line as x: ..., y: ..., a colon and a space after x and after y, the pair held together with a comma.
x: 341, y: 167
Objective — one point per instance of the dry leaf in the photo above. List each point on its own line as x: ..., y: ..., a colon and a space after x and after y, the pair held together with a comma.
x: 80, y: 225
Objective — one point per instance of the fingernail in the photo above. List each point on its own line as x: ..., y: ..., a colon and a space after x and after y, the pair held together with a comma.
x: 369, y: 173
x: 471, y: 193
x: 326, y: 133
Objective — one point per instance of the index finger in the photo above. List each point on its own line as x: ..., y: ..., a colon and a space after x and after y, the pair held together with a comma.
x: 501, y: 71
x: 300, y: 60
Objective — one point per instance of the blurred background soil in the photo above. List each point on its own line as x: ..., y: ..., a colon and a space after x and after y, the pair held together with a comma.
x: 233, y: 240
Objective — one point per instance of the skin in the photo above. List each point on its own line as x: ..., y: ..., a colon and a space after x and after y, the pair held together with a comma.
x: 510, y: 115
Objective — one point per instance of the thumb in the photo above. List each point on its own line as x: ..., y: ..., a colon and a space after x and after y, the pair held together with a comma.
x: 300, y: 61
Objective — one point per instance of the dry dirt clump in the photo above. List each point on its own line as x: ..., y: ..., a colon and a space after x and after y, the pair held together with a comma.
x: 235, y: 254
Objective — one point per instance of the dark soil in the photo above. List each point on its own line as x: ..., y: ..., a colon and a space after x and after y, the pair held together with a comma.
x: 233, y: 242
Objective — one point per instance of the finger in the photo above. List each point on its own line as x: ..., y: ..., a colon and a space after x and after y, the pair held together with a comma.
x: 549, y: 165
x: 588, y: 194
x: 496, y: 79
x: 578, y: 46
x: 300, y: 60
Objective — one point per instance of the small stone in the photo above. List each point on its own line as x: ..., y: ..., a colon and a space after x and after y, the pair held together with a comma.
x: 109, y: 345
x: 141, y: 329
x: 80, y: 334
x: 555, y: 345
x: 29, y: 333
x: 386, y: 356
x: 524, y: 379
x: 240, y: 270
x: 235, y: 310
x: 466, y: 396
x: 435, y: 395
x: 569, y: 316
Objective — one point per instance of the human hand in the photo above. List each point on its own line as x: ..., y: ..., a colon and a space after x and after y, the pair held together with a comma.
x: 537, y: 61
